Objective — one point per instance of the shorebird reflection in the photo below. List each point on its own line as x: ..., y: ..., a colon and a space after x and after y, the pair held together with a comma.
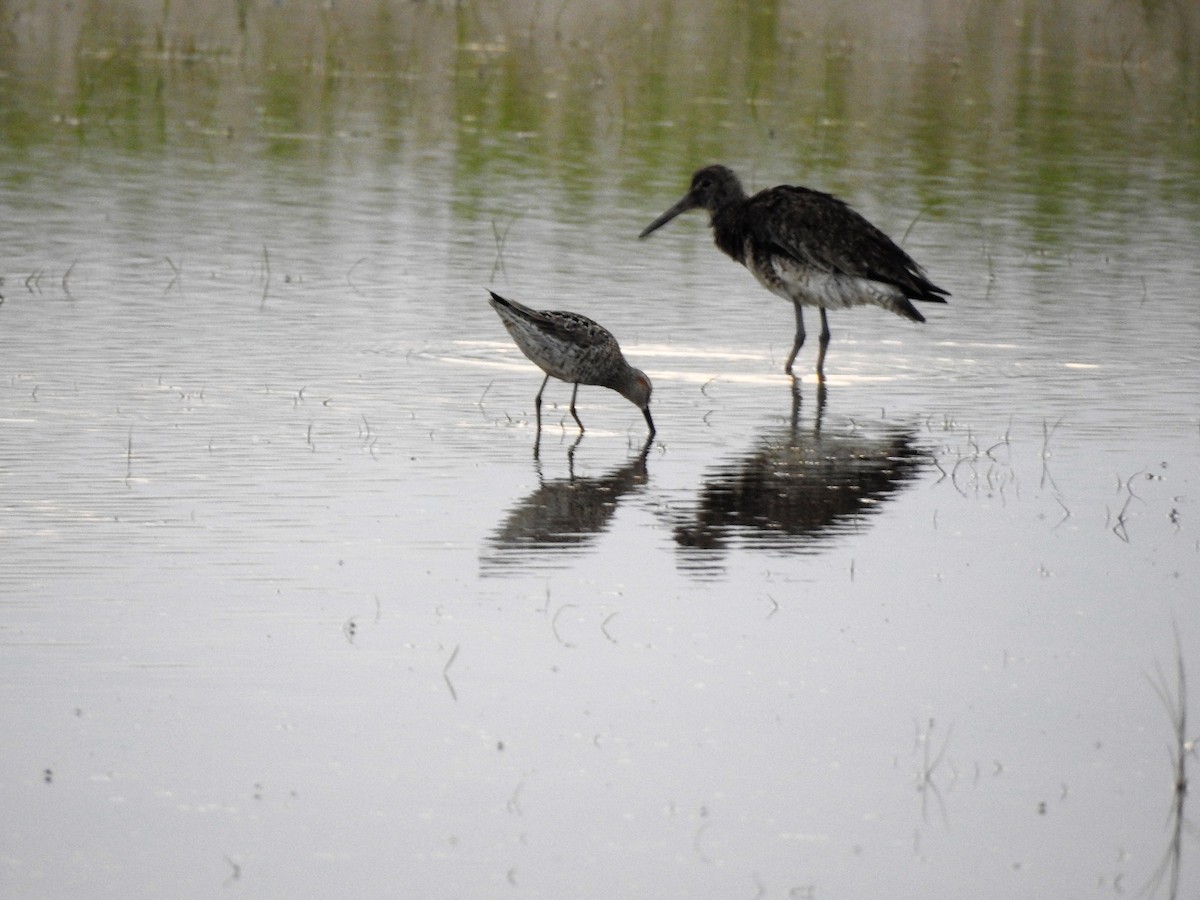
x: 561, y: 517
x: 798, y: 488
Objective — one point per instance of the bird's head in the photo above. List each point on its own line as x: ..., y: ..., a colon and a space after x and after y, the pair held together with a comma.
x: 712, y: 188
x: 637, y: 391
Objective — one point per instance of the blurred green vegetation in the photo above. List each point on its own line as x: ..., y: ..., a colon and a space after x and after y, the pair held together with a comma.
x: 1065, y: 100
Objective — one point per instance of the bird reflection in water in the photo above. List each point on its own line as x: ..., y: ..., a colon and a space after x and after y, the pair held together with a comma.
x: 798, y: 488
x: 562, y: 516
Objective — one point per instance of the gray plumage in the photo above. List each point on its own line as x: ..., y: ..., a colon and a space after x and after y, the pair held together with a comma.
x: 573, y: 348
x: 807, y: 247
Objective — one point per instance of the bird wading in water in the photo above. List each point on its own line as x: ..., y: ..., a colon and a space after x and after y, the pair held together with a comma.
x: 574, y: 349
x: 807, y: 247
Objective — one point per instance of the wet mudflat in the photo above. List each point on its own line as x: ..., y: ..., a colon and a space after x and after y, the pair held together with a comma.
x: 293, y: 603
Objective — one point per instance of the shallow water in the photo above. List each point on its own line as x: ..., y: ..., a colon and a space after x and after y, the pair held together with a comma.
x: 292, y: 602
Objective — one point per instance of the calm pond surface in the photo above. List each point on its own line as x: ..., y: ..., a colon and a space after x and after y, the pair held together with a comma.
x: 293, y: 605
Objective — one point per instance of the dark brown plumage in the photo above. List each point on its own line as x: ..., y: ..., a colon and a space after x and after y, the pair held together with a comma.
x: 807, y: 247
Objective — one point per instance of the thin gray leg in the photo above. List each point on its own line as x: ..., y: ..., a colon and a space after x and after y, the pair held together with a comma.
x: 537, y: 403
x: 824, y: 345
x: 575, y: 391
x: 799, y: 342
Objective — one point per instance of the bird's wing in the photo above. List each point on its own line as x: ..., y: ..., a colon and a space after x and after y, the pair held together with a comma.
x: 820, y: 230
x: 577, y: 329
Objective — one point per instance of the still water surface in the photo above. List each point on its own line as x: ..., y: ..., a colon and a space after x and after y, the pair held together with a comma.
x: 293, y: 604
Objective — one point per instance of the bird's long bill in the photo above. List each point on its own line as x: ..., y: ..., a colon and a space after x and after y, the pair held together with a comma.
x: 681, y: 207
x: 649, y: 421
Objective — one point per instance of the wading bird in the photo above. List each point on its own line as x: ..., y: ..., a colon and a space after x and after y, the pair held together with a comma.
x: 807, y: 247
x: 576, y: 350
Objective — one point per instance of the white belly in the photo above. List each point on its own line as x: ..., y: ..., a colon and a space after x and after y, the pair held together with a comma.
x: 812, y: 287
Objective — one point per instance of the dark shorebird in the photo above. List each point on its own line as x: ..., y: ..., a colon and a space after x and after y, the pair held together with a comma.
x: 807, y: 247
x: 574, y: 349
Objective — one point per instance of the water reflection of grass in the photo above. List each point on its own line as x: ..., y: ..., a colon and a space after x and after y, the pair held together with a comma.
x: 1010, y: 91
x: 721, y: 75
x: 1174, y: 701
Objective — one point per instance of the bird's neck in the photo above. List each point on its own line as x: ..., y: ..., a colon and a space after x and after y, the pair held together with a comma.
x: 729, y: 229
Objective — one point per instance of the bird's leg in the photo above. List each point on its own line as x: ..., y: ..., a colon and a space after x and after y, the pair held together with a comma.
x: 574, y: 414
x: 824, y: 339
x: 799, y: 342
x: 537, y: 404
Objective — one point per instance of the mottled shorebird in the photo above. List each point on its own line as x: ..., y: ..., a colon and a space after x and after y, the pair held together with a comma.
x: 574, y: 349
x: 807, y: 247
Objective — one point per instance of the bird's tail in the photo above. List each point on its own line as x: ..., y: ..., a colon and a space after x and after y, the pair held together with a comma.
x: 921, y: 289
x: 928, y: 292
x: 510, y: 310
x: 904, y: 307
